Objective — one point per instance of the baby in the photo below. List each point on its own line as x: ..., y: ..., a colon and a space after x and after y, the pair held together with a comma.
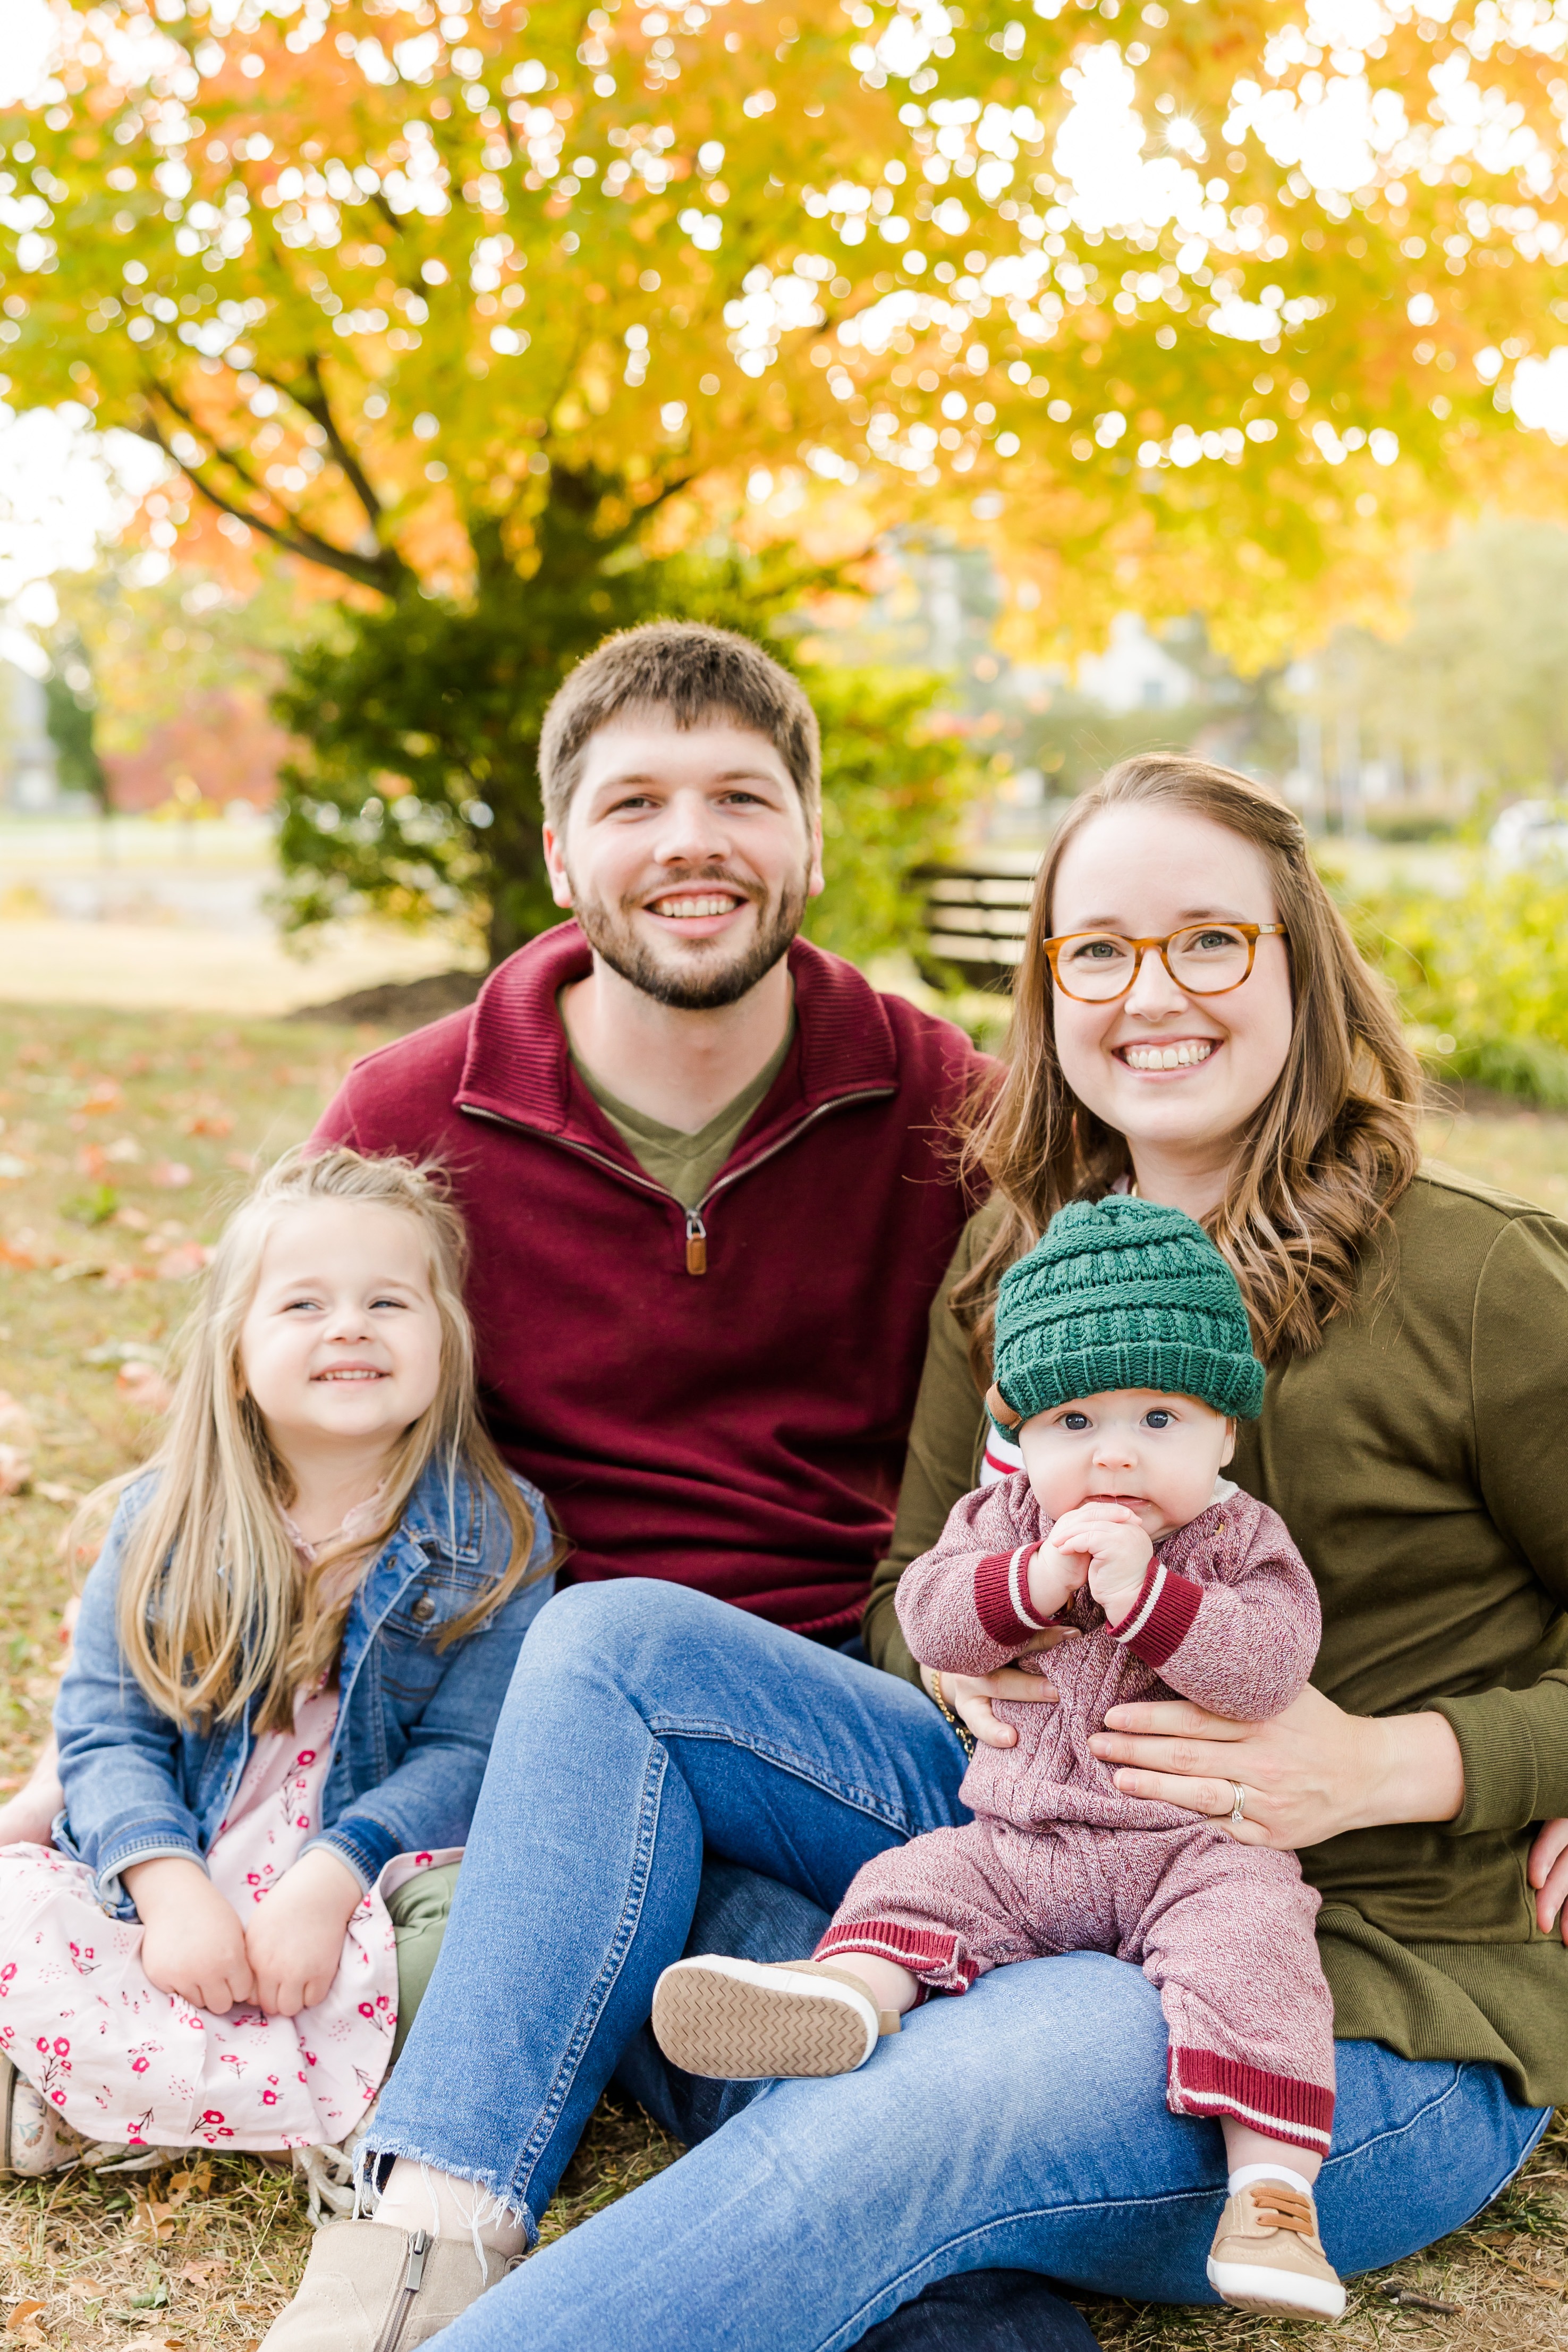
x: 1123, y: 1360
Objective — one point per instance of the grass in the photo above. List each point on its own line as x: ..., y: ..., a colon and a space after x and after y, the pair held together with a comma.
x: 123, y: 1134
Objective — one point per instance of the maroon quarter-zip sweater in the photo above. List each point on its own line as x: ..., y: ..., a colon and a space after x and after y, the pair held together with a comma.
x: 718, y: 1396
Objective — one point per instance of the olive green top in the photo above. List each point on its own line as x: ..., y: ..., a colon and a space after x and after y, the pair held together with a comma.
x: 1418, y: 1459
x: 686, y: 1165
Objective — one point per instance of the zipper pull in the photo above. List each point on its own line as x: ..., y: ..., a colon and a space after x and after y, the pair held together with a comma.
x: 392, y: 2332
x: 697, y: 1243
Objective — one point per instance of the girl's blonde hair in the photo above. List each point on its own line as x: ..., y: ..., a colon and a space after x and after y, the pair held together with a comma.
x: 1327, y: 1152
x: 216, y: 1613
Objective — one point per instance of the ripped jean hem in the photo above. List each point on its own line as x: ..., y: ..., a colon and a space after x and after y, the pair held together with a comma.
x: 368, y: 2160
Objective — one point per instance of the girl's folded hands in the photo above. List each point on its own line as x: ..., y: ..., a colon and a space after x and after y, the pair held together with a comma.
x: 283, y: 1960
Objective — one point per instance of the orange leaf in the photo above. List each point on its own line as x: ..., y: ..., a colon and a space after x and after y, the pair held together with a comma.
x: 20, y: 2316
x: 179, y: 1263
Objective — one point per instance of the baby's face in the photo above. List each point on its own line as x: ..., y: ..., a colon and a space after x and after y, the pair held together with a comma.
x: 1158, y: 1456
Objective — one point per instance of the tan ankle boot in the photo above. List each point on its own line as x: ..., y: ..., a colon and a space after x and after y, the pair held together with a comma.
x: 753, y: 2021
x: 1267, y: 2254
x: 370, y: 2289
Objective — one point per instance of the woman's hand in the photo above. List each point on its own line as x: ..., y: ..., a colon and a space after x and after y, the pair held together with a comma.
x: 970, y: 1696
x: 192, y: 1942
x: 1311, y: 1773
x: 295, y: 1939
x: 1549, y: 1875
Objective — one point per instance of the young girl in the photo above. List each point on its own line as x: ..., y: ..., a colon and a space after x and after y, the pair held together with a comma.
x: 287, y: 1668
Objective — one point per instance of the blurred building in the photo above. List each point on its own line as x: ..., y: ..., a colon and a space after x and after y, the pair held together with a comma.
x: 29, y: 778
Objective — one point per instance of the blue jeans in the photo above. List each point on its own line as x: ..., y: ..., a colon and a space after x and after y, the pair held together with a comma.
x: 1022, y: 2126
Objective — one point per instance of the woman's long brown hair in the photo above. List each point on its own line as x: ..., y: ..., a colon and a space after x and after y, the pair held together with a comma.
x: 1326, y: 1153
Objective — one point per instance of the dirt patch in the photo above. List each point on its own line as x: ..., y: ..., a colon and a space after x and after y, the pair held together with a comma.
x: 400, y: 1006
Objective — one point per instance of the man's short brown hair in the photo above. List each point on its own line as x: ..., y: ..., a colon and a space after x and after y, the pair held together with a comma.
x: 698, y: 675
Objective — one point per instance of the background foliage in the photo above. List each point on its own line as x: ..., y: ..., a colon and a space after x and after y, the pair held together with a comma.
x: 1478, y: 968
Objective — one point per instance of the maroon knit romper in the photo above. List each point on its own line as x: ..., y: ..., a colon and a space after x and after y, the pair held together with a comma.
x: 1058, y: 1860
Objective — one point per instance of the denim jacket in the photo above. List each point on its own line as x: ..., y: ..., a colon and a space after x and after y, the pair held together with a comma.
x: 414, y: 1724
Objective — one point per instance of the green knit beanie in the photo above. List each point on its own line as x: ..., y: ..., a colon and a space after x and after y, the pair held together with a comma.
x: 1122, y: 1294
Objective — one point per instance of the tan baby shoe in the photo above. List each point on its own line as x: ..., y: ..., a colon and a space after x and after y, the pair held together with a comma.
x: 1267, y: 2254
x: 369, y: 2289
x: 751, y: 2021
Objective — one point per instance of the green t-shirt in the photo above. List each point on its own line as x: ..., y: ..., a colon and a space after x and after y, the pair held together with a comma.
x: 686, y: 1165
x: 1416, y: 1458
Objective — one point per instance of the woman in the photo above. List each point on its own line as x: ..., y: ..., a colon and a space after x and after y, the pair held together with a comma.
x: 1416, y: 1330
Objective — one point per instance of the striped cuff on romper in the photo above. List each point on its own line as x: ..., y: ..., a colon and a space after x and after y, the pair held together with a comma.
x: 1001, y: 1597
x: 1162, y: 1616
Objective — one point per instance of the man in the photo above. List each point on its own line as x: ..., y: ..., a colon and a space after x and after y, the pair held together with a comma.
x: 704, y: 1165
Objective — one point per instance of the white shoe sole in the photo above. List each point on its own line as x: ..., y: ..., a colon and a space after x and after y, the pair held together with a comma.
x: 743, y: 2022
x: 1249, y: 2286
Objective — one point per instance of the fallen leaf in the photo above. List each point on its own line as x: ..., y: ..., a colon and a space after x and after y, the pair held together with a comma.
x: 170, y: 1175
x: 20, y: 2315
x: 183, y: 1260
x: 91, y: 1159
x: 208, y: 1122
x: 198, y: 2274
x: 12, y: 1168
x: 200, y: 2178
x: 148, y: 2220
x: 125, y: 1149
x: 91, y: 2288
x: 53, y: 1492
x: 120, y: 1277
x: 144, y: 1385
x: 15, y: 1470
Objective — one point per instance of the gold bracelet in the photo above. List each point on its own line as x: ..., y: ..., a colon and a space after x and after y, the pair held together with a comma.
x: 965, y: 1737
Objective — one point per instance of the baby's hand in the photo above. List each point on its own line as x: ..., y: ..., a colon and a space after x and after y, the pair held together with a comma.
x: 192, y: 1942
x: 1053, y: 1578
x: 1116, y: 1549
x: 295, y: 1936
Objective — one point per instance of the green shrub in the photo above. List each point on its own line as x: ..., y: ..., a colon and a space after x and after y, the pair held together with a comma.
x: 1481, y: 974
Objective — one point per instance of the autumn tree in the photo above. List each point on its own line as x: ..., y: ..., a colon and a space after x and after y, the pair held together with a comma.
x: 490, y: 307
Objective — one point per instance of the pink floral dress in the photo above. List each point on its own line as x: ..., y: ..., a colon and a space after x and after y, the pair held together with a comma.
x: 120, y: 2061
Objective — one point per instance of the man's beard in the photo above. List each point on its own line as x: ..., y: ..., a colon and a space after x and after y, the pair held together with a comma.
x: 713, y: 976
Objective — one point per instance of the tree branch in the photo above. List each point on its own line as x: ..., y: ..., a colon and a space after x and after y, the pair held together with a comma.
x: 320, y: 407
x: 385, y: 571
